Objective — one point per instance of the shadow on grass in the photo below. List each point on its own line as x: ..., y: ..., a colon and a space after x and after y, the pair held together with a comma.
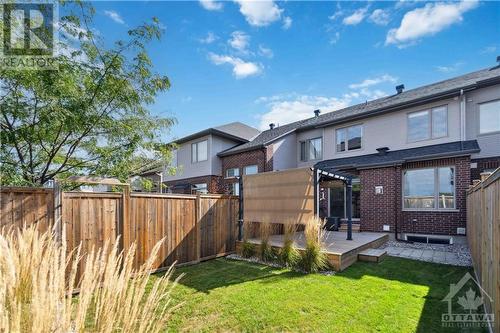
x: 223, y: 272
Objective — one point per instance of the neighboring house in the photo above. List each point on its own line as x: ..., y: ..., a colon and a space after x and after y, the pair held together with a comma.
x: 412, y: 154
x: 198, y: 168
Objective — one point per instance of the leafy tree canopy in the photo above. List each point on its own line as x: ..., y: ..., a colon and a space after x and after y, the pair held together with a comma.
x: 89, y: 117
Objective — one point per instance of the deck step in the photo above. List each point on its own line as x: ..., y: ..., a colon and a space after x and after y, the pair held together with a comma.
x: 372, y: 255
x: 355, y: 227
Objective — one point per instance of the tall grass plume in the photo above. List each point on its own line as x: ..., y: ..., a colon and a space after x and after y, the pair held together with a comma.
x: 266, y: 252
x: 313, y: 259
x: 39, y: 276
x: 289, y: 256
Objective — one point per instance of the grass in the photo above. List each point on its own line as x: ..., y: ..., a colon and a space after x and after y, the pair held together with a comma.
x: 397, y: 295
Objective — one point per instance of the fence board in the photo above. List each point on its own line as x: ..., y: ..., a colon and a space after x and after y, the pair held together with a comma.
x: 483, y: 236
x: 26, y: 206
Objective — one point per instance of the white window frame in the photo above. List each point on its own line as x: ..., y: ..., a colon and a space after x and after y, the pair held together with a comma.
x: 248, y: 166
x: 195, y: 144
x: 436, y: 190
x: 430, y: 115
x: 307, y: 145
x: 233, y: 176
x: 479, y: 118
x: 233, y: 186
x: 346, y: 131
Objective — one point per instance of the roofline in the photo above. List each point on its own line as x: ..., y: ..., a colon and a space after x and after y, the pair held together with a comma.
x: 260, y: 146
x: 461, y: 153
x: 416, y: 102
x: 244, y: 150
x: 209, y: 131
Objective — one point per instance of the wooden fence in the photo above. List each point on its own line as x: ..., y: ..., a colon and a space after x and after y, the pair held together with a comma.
x: 483, y: 235
x: 195, y: 228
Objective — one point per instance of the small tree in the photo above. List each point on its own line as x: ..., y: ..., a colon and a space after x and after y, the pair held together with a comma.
x: 88, y: 117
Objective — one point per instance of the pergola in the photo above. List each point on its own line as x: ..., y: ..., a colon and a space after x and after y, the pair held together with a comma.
x: 325, y: 173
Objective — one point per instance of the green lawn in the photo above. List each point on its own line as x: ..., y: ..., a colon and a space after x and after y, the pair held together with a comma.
x: 396, y: 295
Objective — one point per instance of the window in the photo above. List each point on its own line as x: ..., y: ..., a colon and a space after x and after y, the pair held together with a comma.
x: 428, y: 124
x: 349, y: 138
x: 200, y: 188
x: 199, y: 151
x: 489, y: 117
x: 232, y: 172
x: 251, y: 169
x: 234, y: 189
x: 432, y: 188
x: 311, y: 149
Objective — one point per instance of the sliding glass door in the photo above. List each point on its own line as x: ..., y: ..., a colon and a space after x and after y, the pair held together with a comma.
x: 338, y: 199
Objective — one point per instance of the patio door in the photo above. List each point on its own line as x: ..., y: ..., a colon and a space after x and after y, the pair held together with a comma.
x: 337, y: 199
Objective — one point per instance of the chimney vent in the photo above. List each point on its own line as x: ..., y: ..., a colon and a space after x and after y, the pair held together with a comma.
x: 400, y: 88
x: 382, y: 150
x: 271, y: 126
x: 317, y: 112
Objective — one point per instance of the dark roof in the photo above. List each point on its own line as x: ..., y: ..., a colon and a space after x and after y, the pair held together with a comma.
x: 458, y: 148
x: 414, y: 97
x: 235, y: 131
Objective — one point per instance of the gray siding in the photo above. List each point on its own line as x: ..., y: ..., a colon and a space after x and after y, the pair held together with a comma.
x: 489, y: 143
x: 284, y: 151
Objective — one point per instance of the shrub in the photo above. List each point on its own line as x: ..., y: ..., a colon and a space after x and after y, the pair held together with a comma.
x: 38, y: 279
x: 247, y: 249
x: 289, y: 255
x: 266, y: 252
x: 313, y: 259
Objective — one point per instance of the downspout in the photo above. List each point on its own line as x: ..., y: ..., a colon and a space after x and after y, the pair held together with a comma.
x: 240, y: 210
x: 462, y: 119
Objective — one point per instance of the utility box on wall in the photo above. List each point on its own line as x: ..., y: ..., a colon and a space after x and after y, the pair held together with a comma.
x: 379, y: 190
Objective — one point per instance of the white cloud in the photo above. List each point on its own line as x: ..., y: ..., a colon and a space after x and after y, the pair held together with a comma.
x: 335, y: 38
x: 428, y: 20
x: 114, y: 16
x: 291, y: 107
x: 489, y: 49
x: 338, y: 13
x: 239, y: 41
x: 265, y: 52
x: 211, y: 4
x: 380, y: 17
x: 450, y: 68
x: 356, y: 17
x: 260, y: 13
x: 373, y: 81
x: 241, y: 69
x: 287, y: 22
x: 209, y: 38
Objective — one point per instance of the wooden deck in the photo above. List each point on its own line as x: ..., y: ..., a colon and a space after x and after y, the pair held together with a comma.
x: 341, y: 252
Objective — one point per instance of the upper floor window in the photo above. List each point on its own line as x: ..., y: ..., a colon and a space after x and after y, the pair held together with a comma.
x: 232, y: 172
x: 311, y: 149
x: 349, y: 138
x: 489, y: 117
x: 251, y: 169
x: 199, y: 151
x: 428, y: 124
x: 432, y: 188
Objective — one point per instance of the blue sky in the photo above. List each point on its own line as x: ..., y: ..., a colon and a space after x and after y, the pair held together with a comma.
x: 262, y: 62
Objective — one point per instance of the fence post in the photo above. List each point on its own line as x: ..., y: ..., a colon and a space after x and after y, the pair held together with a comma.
x: 58, y: 227
x: 125, y: 227
x: 197, y: 214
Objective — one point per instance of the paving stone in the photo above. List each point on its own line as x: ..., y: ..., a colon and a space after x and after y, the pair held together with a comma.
x: 427, y: 254
x: 416, y: 254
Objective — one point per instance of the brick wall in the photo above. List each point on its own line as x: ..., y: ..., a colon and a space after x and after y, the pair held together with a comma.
x: 386, y: 208
x: 214, y: 184
x: 261, y: 157
x: 484, y: 164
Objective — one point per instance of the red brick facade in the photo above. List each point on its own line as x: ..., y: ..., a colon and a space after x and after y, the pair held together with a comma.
x: 214, y: 184
x: 484, y: 164
x: 386, y: 209
x: 261, y: 157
